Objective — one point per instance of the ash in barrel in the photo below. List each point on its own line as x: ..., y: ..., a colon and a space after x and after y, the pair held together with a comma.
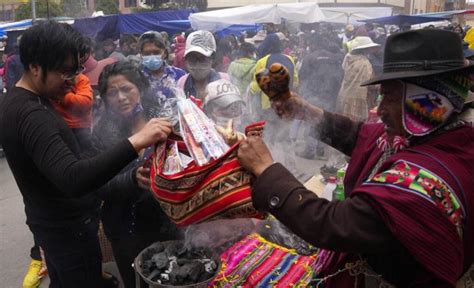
x: 176, y: 265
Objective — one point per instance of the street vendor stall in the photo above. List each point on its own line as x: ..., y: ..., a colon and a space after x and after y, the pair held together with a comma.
x: 400, y: 20
x: 263, y: 13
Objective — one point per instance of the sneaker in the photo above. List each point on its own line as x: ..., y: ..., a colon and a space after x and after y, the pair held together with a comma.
x: 109, y: 280
x: 32, y: 278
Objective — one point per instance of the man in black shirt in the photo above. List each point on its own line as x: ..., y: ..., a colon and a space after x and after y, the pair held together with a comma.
x: 43, y: 154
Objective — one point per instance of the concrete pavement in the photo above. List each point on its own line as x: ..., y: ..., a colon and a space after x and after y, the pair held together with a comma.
x: 15, y: 237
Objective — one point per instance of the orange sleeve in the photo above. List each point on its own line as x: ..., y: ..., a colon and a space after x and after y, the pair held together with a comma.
x: 80, y: 99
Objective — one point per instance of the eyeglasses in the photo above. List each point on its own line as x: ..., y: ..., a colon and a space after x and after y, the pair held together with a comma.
x: 70, y: 75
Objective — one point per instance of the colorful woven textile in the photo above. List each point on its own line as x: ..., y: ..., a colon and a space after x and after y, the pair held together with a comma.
x: 220, y: 189
x: 255, y: 262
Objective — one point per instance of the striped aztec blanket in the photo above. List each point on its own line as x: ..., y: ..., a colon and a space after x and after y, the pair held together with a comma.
x: 256, y: 262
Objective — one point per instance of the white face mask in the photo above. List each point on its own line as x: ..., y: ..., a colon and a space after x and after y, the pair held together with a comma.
x: 200, y: 71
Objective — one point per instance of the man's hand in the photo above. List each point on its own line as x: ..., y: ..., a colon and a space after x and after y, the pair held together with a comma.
x: 143, y: 178
x: 254, y: 155
x: 293, y: 107
x: 156, y: 130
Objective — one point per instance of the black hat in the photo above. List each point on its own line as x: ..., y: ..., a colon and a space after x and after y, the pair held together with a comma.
x: 421, y: 53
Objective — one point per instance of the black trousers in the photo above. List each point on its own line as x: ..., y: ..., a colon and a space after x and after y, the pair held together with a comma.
x: 126, y: 248
x: 72, y: 254
x: 35, y: 252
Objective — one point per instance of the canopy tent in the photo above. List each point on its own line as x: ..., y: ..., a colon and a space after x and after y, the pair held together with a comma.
x: 261, y: 13
x: 112, y: 26
x: 445, y: 14
x: 403, y: 19
x: 13, y: 25
x: 350, y: 15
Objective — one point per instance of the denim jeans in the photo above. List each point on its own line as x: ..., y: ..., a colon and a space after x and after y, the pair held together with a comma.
x: 72, y: 253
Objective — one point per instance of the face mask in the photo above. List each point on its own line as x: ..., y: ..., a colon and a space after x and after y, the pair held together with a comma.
x: 199, y: 70
x: 222, y: 121
x: 200, y: 73
x: 152, y: 62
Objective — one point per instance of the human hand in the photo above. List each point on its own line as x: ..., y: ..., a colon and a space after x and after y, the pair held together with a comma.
x: 254, y: 155
x: 293, y: 107
x: 142, y: 176
x: 156, y: 130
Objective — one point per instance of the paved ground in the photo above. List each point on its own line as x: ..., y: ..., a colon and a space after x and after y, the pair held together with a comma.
x: 16, y: 239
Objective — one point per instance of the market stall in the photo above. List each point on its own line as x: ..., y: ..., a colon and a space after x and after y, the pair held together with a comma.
x: 264, y: 13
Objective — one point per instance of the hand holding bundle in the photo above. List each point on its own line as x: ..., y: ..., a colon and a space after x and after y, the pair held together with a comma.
x: 209, y: 183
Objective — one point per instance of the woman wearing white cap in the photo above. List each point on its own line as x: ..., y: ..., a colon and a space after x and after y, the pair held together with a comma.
x: 199, y: 57
x: 223, y: 102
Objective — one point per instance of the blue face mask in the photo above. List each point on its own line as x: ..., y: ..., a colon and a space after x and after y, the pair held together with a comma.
x: 152, y: 62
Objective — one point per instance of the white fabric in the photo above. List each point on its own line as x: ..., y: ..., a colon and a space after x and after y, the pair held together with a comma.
x: 346, y: 15
x: 263, y: 13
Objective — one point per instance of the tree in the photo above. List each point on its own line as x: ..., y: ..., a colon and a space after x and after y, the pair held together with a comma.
x: 176, y: 4
x: 24, y: 10
x: 75, y: 8
x: 107, y: 6
x: 155, y: 4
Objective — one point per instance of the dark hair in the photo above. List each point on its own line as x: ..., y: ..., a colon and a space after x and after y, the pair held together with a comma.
x: 48, y: 44
x: 84, y: 43
x: 152, y: 37
x: 127, y: 39
x: 128, y: 70
x: 108, y: 42
x: 155, y: 38
x: 247, y: 49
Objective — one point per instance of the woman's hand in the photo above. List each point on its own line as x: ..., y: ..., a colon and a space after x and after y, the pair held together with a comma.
x: 254, y: 155
x: 142, y: 176
x: 156, y: 130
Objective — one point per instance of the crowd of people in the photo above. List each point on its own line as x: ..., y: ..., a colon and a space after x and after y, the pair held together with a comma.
x: 80, y: 118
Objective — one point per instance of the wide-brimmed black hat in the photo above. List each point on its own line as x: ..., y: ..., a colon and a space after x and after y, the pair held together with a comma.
x: 421, y: 53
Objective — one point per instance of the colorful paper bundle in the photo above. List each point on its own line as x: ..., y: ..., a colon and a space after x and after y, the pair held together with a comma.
x: 199, y: 133
x: 175, y: 161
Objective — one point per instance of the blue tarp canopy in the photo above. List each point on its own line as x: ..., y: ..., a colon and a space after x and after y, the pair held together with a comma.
x: 112, y: 26
x: 13, y: 25
x: 237, y: 29
x: 403, y: 19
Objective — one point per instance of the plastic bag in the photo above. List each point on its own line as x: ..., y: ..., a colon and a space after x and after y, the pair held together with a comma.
x: 274, y: 231
x: 203, y: 141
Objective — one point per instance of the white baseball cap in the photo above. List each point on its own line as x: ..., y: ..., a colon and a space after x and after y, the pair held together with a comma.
x: 202, y: 42
x: 222, y: 93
